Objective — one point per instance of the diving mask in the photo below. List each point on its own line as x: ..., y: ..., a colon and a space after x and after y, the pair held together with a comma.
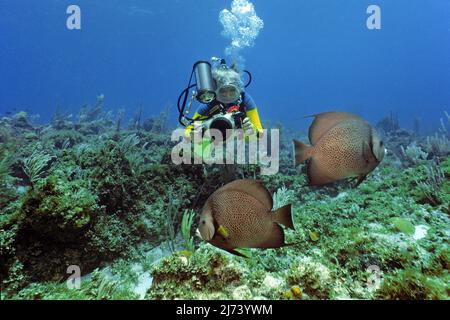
x: 228, y: 93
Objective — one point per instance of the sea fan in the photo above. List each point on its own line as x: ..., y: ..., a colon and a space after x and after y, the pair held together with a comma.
x: 34, y: 166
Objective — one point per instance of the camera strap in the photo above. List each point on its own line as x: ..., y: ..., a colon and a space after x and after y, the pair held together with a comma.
x: 217, y: 108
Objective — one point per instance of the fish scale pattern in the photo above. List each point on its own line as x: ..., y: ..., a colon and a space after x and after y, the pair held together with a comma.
x: 343, y: 151
x: 247, y: 221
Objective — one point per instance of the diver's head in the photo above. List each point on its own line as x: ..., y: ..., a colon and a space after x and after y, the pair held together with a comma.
x: 228, y: 83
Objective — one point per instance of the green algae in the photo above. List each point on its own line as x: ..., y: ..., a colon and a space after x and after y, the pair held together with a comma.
x: 105, y: 201
x: 403, y: 225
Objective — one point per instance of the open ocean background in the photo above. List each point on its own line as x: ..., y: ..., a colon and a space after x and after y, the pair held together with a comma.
x: 310, y: 57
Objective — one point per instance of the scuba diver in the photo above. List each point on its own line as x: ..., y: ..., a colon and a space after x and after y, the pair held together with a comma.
x: 225, y: 104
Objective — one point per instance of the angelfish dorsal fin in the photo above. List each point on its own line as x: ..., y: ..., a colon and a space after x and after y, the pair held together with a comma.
x: 254, y: 188
x: 323, y: 122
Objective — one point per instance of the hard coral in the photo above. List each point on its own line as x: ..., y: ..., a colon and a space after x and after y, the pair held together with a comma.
x: 203, y: 272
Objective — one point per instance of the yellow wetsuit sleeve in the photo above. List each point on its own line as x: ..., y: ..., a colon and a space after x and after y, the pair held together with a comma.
x: 254, y: 119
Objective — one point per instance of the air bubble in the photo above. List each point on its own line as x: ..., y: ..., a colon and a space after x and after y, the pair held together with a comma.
x: 242, y: 26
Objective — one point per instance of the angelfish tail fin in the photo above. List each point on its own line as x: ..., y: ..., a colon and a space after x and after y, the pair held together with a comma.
x: 284, y: 216
x: 301, y: 152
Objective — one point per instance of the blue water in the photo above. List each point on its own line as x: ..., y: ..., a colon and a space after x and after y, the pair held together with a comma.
x: 311, y: 56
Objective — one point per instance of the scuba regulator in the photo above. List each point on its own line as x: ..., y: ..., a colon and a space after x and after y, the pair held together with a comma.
x: 206, y: 92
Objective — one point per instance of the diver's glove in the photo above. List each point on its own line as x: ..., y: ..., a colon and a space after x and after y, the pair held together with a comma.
x: 194, y: 129
x: 249, y: 128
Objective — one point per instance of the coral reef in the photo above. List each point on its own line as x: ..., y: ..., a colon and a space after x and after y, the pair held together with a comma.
x: 411, y: 284
x: 389, y: 123
x: 88, y: 192
x: 206, y: 274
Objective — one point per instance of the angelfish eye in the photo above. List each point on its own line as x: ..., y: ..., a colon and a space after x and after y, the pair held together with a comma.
x: 203, y: 221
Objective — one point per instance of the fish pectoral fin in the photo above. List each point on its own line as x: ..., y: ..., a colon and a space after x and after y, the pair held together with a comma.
x: 223, y: 232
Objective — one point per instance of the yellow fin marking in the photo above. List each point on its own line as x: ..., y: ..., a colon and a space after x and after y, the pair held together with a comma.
x: 223, y: 232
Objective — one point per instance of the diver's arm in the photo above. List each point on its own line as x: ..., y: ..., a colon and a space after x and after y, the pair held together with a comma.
x: 254, y: 119
x: 252, y: 125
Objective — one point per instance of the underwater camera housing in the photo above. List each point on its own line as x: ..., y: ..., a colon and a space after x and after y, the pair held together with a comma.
x: 223, y: 122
